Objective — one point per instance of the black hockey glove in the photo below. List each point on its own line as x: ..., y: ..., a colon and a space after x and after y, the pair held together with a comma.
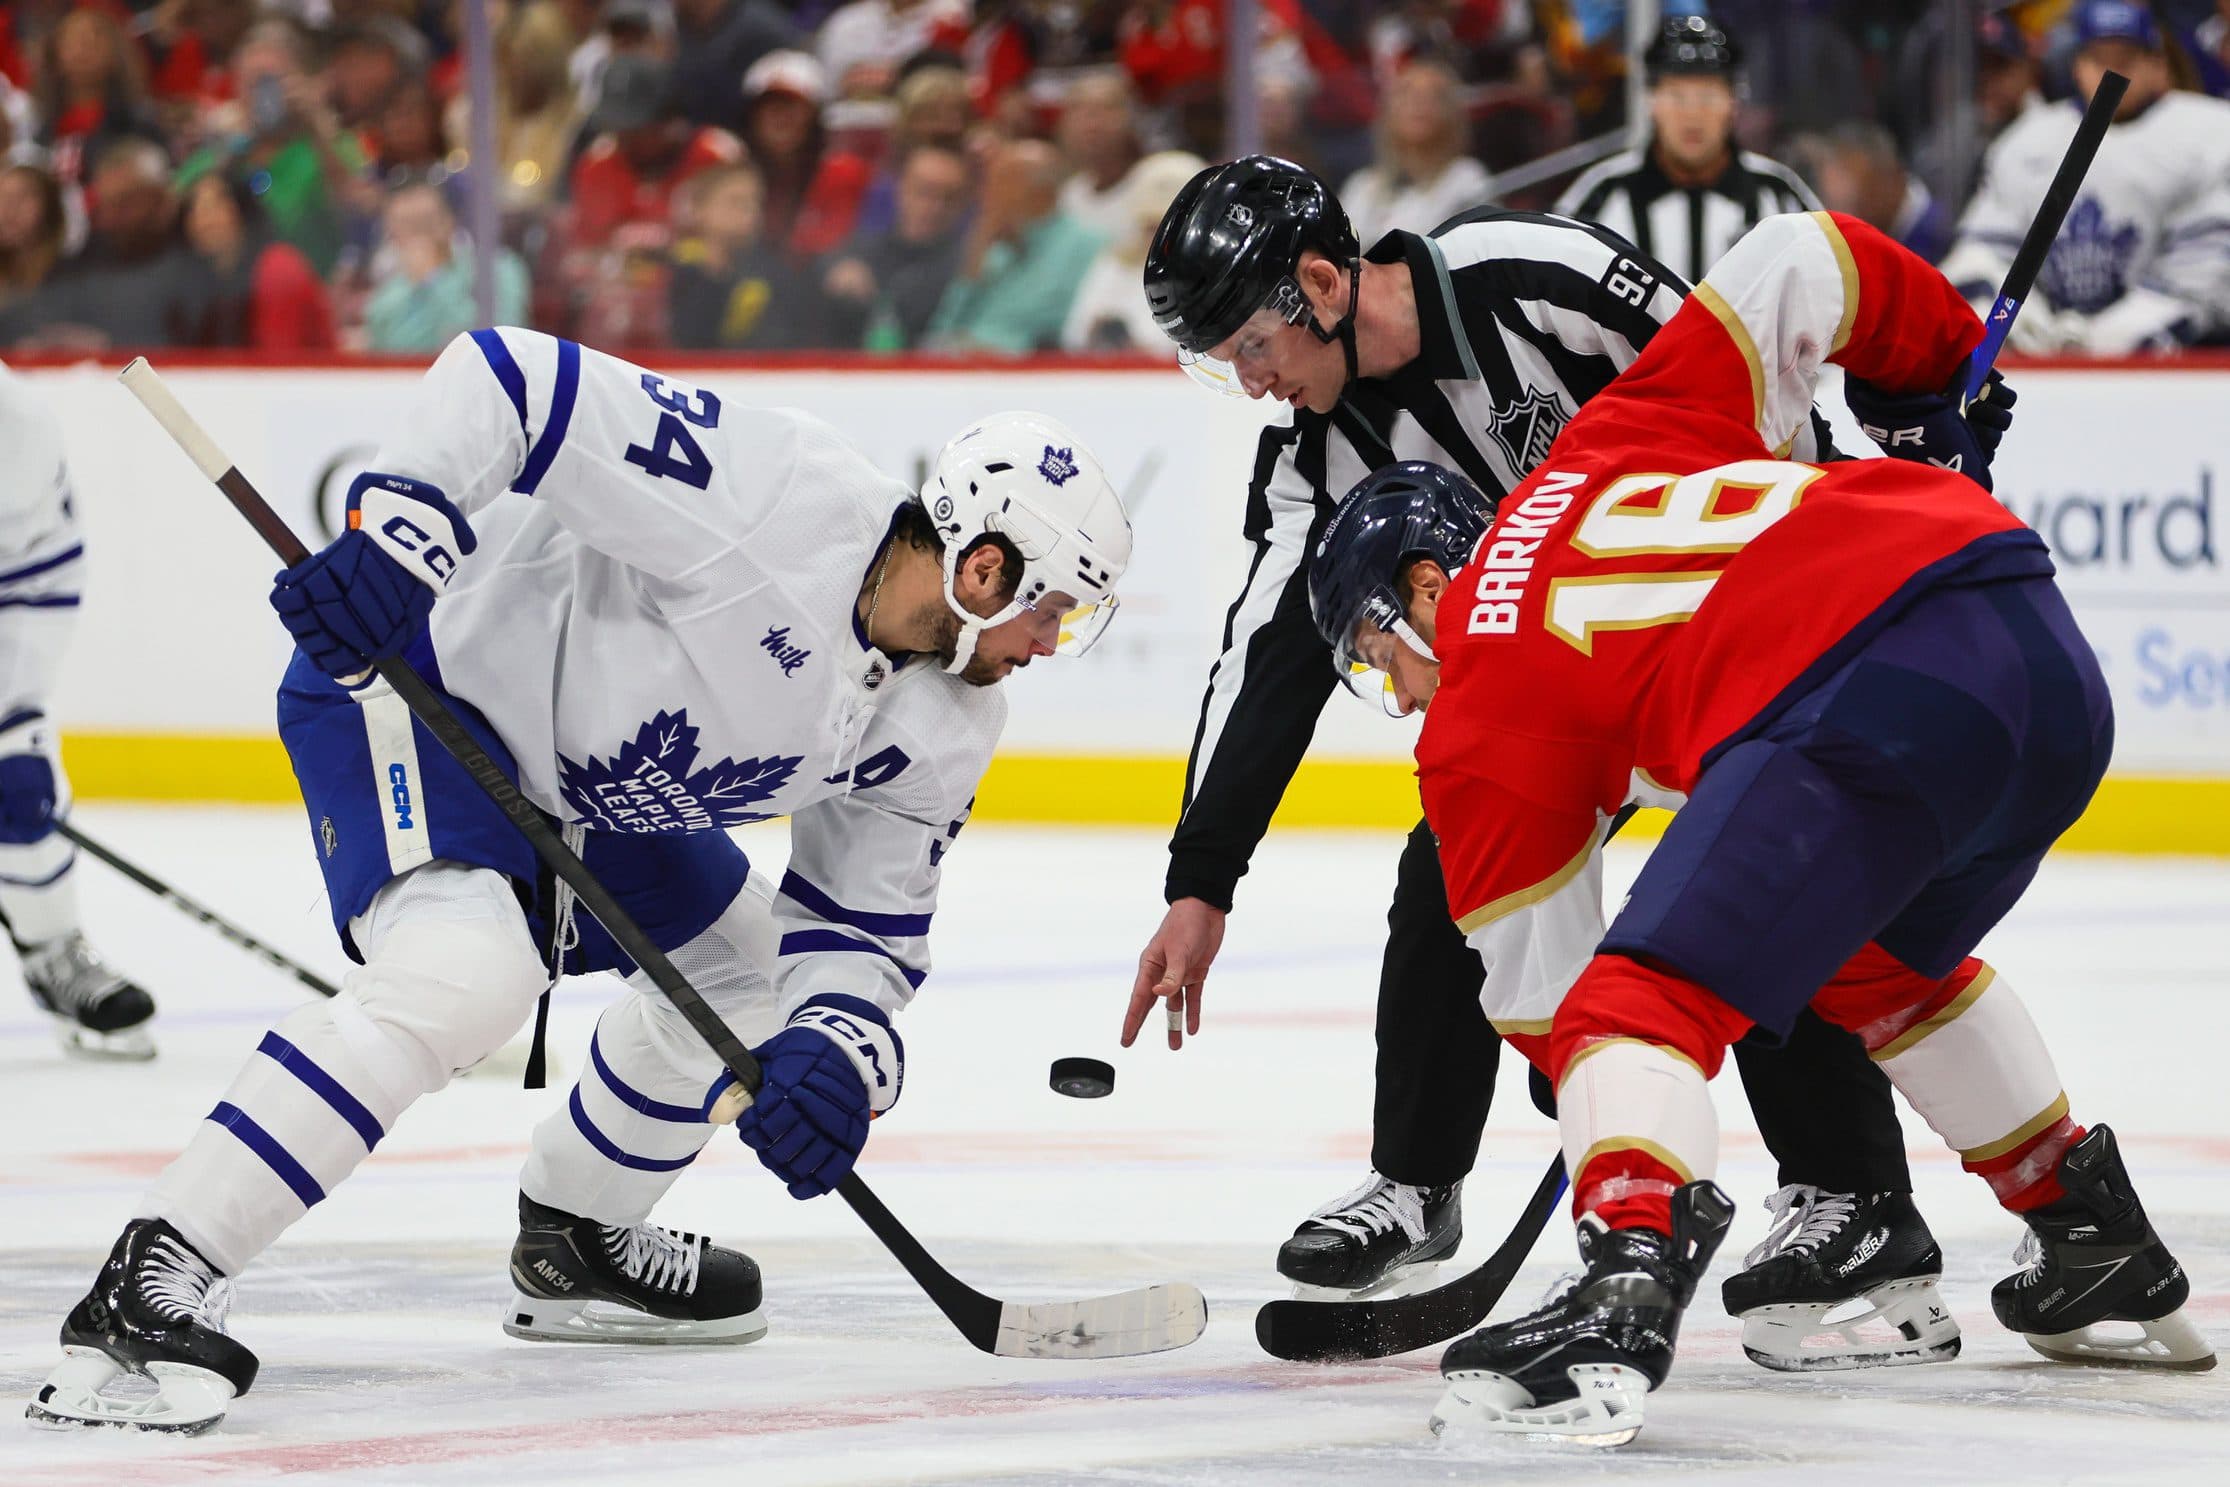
x: 1932, y: 428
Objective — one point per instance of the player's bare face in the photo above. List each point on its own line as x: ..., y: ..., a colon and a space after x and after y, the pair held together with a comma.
x: 2146, y: 69
x: 1018, y: 642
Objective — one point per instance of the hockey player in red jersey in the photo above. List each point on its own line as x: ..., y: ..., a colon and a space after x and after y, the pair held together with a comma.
x: 1863, y: 694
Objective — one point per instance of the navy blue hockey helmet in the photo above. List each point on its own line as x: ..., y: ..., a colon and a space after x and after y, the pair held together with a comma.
x: 1393, y: 517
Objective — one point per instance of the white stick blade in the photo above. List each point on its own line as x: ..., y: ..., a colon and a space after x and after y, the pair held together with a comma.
x: 1152, y: 1320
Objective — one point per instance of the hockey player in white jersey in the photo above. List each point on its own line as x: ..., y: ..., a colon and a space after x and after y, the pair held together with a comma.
x: 665, y: 615
x: 96, y: 1011
x: 2143, y: 262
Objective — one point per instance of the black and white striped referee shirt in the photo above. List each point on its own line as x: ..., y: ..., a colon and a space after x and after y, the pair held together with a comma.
x: 1524, y: 317
x: 1686, y: 228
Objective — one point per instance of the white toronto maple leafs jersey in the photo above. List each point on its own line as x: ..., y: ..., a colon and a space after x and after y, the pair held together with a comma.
x: 41, y: 555
x: 659, y: 621
x: 2145, y: 250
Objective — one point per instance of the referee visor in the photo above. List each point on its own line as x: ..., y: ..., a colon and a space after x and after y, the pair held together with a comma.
x: 1237, y: 366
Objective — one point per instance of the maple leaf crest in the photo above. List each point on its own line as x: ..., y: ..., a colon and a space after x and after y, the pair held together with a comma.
x: 651, y: 784
x: 2090, y: 264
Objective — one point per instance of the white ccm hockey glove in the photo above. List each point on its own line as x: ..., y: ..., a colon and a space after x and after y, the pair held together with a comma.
x: 836, y: 1066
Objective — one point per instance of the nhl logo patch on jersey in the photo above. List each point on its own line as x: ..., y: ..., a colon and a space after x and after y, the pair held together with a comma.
x: 1527, y: 428
x: 1058, y: 466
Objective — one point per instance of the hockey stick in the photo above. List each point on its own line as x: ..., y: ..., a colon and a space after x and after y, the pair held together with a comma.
x: 1149, y: 1320
x: 1344, y: 1331
x: 2036, y: 244
x: 198, y: 910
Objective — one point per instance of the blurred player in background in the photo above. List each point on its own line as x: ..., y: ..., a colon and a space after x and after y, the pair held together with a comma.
x: 97, y: 1012
x: 663, y: 616
x: 1862, y: 690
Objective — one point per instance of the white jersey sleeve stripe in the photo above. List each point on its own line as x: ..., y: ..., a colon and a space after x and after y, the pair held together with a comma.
x: 1790, y: 284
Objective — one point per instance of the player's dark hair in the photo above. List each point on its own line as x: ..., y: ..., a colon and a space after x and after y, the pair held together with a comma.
x: 914, y: 527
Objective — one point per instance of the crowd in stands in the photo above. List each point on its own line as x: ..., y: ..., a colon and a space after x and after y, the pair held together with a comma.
x: 937, y: 176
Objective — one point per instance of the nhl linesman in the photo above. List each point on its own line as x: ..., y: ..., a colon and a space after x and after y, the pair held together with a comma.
x: 1470, y: 347
x: 1689, y: 193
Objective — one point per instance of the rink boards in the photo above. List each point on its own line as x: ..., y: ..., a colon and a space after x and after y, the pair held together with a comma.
x: 168, y: 694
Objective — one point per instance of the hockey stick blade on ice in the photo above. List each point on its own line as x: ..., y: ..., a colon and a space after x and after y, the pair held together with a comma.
x: 1346, y: 1331
x: 1144, y: 1321
x: 198, y: 910
x: 2036, y: 243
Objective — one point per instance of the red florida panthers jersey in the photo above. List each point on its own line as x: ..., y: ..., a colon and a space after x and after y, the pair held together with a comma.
x: 1665, y: 577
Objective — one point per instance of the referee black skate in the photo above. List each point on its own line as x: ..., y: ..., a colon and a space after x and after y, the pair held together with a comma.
x: 1471, y: 347
x: 1686, y: 195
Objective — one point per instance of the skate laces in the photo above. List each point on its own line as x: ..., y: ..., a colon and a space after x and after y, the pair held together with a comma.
x: 2028, y: 1256
x: 1804, y: 1219
x: 71, y: 972
x: 658, y: 1258
x: 1376, y: 1207
x: 183, y: 1286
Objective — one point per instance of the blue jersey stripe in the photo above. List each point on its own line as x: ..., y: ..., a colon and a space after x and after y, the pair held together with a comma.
x: 562, y: 393
x: 323, y: 1085
x: 42, y: 601
x: 611, y: 1153
x: 895, y: 925
x: 808, y: 941
x: 275, y: 1156
x: 508, y: 376
x: 635, y: 1099
x: 54, y: 877
x: 69, y: 554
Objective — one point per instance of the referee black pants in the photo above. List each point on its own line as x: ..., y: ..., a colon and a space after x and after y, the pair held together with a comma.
x: 1823, y: 1108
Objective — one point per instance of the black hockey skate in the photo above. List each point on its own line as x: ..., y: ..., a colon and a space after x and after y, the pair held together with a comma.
x: 97, y: 1012
x: 1386, y: 1236
x: 2096, y: 1272
x: 576, y: 1280
x: 156, y: 1310
x: 1845, y: 1280
x: 1577, y: 1368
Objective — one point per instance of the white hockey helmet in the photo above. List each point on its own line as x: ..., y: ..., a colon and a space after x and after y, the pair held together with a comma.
x: 1025, y: 477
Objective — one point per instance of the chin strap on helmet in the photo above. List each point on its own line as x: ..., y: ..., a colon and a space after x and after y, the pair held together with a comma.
x: 1344, y: 330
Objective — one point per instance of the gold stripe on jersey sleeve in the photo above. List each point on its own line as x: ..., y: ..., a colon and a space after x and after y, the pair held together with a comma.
x: 1848, y: 267
x: 1738, y: 333
x: 1525, y: 898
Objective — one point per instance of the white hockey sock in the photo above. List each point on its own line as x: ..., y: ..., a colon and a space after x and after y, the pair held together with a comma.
x: 38, y: 889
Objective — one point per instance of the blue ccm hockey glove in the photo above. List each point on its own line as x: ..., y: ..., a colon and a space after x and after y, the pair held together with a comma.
x: 1931, y: 427
x: 838, y: 1064
x: 367, y: 593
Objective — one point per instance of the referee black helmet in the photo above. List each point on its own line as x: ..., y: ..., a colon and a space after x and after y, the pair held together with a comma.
x: 1232, y: 239
x: 1691, y: 46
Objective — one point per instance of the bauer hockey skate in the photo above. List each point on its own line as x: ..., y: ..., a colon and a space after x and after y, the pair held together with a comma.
x: 2098, y: 1285
x: 156, y: 1311
x: 1845, y: 1280
x: 576, y: 1280
x: 1577, y: 1369
x: 97, y: 1012
x: 1385, y: 1237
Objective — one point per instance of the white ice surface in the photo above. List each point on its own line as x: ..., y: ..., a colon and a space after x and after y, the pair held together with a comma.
x: 376, y: 1317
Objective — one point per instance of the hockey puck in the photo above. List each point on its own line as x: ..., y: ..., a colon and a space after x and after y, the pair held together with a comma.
x: 1083, y: 1078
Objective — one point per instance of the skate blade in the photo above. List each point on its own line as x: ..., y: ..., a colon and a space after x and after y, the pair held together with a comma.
x: 129, y: 1045
x: 536, y: 1320
x: 1402, y: 1280
x: 1606, y: 1412
x: 187, y: 1400
x: 2170, y: 1342
x: 1901, y: 1322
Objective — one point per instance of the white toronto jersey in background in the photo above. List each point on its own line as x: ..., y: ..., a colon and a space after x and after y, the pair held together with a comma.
x: 660, y: 623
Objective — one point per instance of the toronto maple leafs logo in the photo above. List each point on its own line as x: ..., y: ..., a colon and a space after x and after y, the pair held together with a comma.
x: 650, y: 784
x: 1526, y: 428
x: 1059, y: 465
x: 2091, y: 261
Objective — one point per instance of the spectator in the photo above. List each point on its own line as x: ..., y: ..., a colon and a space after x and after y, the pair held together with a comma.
x: 91, y: 89
x: 864, y: 44
x: 133, y: 286
x: 409, y: 142
x: 811, y: 201
x: 2143, y: 262
x: 731, y: 290
x: 1098, y: 136
x: 1173, y: 49
x: 1019, y: 45
x: 366, y: 63
x: 643, y: 150
x: 884, y: 287
x: 933, y: 108
x: 1949, y: 157
x: 1022, y: 262
x: 1423, y: 173
x: 19, y: 126
x: 715, y: 43
x: 423, y: 297
x: 2209, y: 46
x: 1858, y: 171
x: 189, y: 44
x: 1282, y: 96
x: 536, y: 115
x: 281, y: 133
x: 1110, y: 313
x: 256, y: 291
x: 32, y: 226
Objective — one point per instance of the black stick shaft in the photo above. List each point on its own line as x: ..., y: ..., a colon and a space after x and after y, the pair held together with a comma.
x: 198, y: 910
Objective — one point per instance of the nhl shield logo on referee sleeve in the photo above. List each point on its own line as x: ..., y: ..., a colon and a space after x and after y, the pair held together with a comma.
x: 1526, y: 429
